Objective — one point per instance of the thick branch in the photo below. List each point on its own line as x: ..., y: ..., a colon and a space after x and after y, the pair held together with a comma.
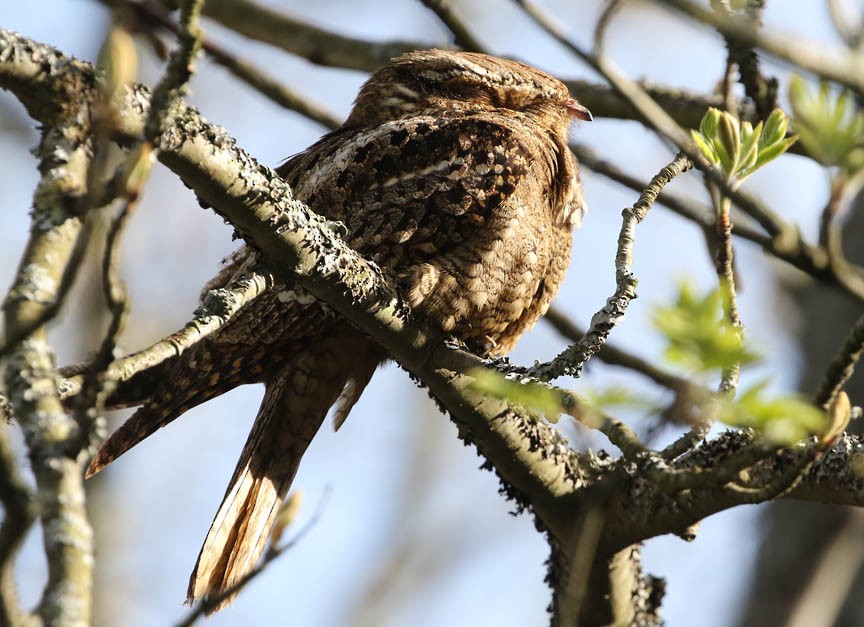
x: 297, y: 37
x: 646, y: 508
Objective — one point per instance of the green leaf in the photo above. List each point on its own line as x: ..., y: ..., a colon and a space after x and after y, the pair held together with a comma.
x: 749, y: 145
x: 785, y: 419
x: 771, y: 152
x: 710, y: 122
x: 705, y: 147
x: 829, y: 123
x: 536, y: 396
x: 739, y: 148
x: 775, y: 128
x: 695, y: 334
x: 617, y: 396
x: 730, y: 139
x: 798, y: 91
x: 843, y: 104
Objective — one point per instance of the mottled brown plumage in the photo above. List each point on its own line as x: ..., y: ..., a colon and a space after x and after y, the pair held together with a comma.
x: 453, y: 174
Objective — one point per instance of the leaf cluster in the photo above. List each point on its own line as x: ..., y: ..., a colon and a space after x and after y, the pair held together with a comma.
x: 738, y: 148
x: 829, y: 123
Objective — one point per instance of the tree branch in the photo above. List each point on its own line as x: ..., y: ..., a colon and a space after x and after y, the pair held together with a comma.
x: 842, y: 366
x: 836, y: 65
x: 297, y: 37
x: 789, y: 247
x: 52, y: 437
x: 572, y: 360
x: 462, y: 35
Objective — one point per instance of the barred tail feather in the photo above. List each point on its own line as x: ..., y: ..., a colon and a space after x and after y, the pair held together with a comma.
x: 295, y: 404
x: 180, y: 389
x: 238, y: 536
x: 145, y: 422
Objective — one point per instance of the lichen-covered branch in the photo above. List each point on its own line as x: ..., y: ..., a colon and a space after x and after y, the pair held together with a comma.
x: 789, y: 247
x: 218, y: 306
x: 52, y: 437
x: 572, y: 360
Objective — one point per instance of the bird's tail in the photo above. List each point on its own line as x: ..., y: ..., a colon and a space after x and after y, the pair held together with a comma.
x: 297, y: 399
x: 180, y: 388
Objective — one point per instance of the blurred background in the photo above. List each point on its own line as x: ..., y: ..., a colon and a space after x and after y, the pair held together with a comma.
x: 412, y: 532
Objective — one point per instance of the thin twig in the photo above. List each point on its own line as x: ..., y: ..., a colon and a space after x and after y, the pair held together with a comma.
x: 726, y: 277
x: 761, y: 90
x: 317, y: 45
x: 656, y: 118
x: 697, y: 212
x: 842, y: 366
x: 154, y: 15
x: 797, y: 465
x: 837, y: 65
x: 217, y: 308
x: 548, y: 23
x: 830, y: 234
x: 573, y: 359
x: 688, y: 440
x: 179, y: 70
x: 653, y: 115
x: 96, y: 384
x: 618, y: 432
x: 790, y: 248
x: 616, y: 356
x: 689, y: 398
x: 673, y: 480
x: 462, y: 35
x: 727, y: 85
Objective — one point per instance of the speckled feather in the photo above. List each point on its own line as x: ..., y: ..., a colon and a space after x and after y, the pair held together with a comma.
x: 453, y: 174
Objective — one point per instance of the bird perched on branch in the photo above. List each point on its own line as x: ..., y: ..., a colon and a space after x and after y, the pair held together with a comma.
x: 453, y: 174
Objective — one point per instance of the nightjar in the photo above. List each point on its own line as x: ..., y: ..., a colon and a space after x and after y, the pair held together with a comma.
x: 452, y: 173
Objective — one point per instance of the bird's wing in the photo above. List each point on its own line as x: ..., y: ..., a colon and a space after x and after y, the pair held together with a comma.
x: 412, y: 187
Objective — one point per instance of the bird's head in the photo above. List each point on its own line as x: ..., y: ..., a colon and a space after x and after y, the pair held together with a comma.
x: 430, y: 80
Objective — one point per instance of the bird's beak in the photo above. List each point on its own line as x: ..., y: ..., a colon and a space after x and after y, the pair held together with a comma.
x: 577, y: 110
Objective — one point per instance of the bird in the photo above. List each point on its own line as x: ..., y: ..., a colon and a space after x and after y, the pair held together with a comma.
x: 452, y: 172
